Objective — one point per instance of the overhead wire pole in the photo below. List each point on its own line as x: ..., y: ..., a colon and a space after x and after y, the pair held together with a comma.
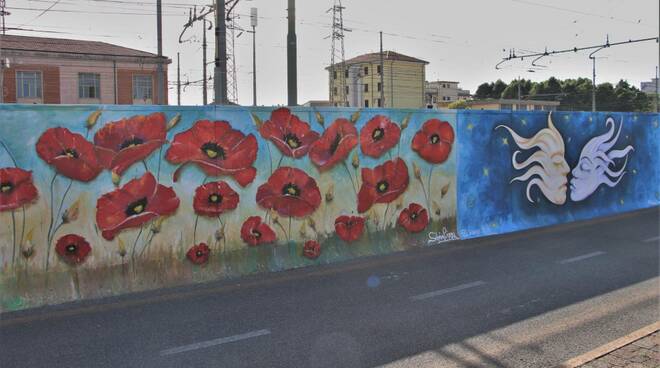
x: 220, y: 69
x: 178, y: 78
x: 338, y: 53
x: 382, y: 72
x: 192, y: 18
x: 160, y: 80
x: 292, y: 56
x: 253, y: 23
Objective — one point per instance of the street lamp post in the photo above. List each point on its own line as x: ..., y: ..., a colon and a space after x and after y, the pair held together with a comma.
x: 253, y: 23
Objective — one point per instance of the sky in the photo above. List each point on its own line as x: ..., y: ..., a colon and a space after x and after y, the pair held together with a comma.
x: 462, y: 40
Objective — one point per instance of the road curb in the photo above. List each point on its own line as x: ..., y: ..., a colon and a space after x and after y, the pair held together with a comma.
x: 610, y: 347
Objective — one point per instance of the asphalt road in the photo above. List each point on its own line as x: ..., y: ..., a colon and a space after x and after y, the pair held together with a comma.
x: 530, y: 299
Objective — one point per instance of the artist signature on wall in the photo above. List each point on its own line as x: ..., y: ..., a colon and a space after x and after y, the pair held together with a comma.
x: 442, y: 236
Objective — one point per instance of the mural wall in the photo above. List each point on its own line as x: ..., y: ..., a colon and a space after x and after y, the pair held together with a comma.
x: 103, y: 200
x: 529, y: 169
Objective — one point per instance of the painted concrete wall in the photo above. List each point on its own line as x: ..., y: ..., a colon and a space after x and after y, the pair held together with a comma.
x: 105, y: 200
x: 523, y: 170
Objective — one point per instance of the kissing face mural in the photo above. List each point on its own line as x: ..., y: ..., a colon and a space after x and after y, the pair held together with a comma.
x: 102, y: 200
x: 612, y: 171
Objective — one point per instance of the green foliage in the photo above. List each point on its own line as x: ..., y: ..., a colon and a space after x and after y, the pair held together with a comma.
x: 574, y: 94
x: 458, y: 105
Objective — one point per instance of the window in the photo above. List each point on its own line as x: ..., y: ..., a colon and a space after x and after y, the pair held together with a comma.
x: 366, y: 88
x: 334, y: 74
x: 142, y: 87
x: 366, y: 70
x: 334, y: 90
x: 520, y: 107
x: 379, y: 103
x: 28, y: 85
x: 379, y: 69
x: 506, y: 107
x: 346, y: 73
x: 347, y: 90
x: 538, y: 107
x: 89, y: 85
x: 380, y: 86
x: 366, y: 103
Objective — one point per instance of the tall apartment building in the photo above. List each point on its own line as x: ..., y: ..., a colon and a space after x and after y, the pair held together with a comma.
x: 63, y: 71
x: 357, y: 82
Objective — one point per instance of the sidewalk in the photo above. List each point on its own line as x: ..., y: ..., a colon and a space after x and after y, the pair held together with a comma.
x: 641, y: 353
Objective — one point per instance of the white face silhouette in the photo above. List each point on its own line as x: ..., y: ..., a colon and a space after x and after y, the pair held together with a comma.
x: 547, y: 168
x: 596, y: 165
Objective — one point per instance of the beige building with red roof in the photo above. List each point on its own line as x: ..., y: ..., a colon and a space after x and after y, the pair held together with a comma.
x: 357, y: 82
x: 63, y: 71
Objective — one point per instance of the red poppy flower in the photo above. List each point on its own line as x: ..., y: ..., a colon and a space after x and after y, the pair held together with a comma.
x: 335, y: 144
x: 382, y: 184
x: 73, y: 249
x: 16, y: 188
x: 217, y: 149
x: 434, y: 141
x: 312, y: 249
x: 414, y: 219
x: 214, y: 199
x: 349, y: 228
x: 292, y: 136
x: 254, y: 232
x: 122, y: 143
x: 290, y: 192
x: 378, y: 136
x: 70, y: 153
x: 136, y: 203
x: 199, y: 254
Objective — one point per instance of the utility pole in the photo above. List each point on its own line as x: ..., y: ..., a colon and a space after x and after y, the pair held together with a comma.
x: 232, y: 80
x: 220, y: 70
x: 205, y: 88
x: 3, y: 13
x: 519, y: 90
x: 159, y: 72
x: 178, y: 78
x: 292, y: 62
x: 382, y: 72
x: 253, y: 23
x: 337, y: 54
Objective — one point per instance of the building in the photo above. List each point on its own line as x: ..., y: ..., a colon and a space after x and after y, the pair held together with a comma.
x: 444, y: 91
x: 357, y: 82
x: 650, y: 87
x: 318, y: 103
x: 511, y: 104
x: 62, y: 71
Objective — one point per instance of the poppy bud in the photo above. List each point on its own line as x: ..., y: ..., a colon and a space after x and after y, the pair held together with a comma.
x: 399, y: 203
x: 115, y: 178
x: 311, y: 223
x: 220, y: 234
x: 303, y: 230
x: 257, y: 121
x: 405, y: 122
x: 27, y: 252
x: 122, y: 247
x: 173, y: 122
x: 355, y: 117
x: 329, y: 195
x: 71, y: 213
x: 320, y: 118
x: 92, y: 119
x: 276, y: 220
x: 157, y: 225
x: 356, y: 161
x: 436, y: 208
x: 444, y: 190
x: 417, y: 171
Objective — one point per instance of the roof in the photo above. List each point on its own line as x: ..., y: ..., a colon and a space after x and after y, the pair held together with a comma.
x: 513, y: 101
x: 387, y: 56
x: 441, y: 81
x: 68, y: 46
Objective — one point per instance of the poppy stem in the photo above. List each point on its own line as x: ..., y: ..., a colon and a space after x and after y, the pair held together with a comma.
x: 145, y: 165
x: 289, y: 235
x: 426, y: 196
x: 160, y: 158
x: 270, y: 158
x: 280, y: 163
x: 22, y: 226
x: 222, y: 226
x: 59, y: 210
x: 348, y: 171
x: 76, y: 282
x: 135, y: 243
x: 387, y: 208
x: 195, y: 230
x: 13, y: 159
x: 50, y: 226
x: 148, y: 243
x: 13, y: 225
x: 283, y: 231
x: 430, y: 211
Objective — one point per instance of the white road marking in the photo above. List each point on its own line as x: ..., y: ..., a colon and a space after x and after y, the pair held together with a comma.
x: 210, y: 343
x: 440, y: 292
x: 582, y: 257
x: 652, y: 239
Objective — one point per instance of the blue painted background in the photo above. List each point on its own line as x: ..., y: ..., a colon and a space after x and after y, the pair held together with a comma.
x: 489, y: 204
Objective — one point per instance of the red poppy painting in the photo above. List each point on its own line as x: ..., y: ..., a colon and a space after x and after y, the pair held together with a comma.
x: 378, y: 136
x: 16, y: 189
x: 122, y: 143
x: 349, y: 228
x: 414, y: 219
x: 136, y: 203
x: 382, y: 184
x: 70, y: 154
x: 214, y: 199
x: 312, y: 249
x: 73, y: 249
x: 292, y: 136
x: 434, y: 141
x: 217, y: 149
x: 254, y: 232
x: 290, y: 192
x: 335, y: 145
x: 199, y: 254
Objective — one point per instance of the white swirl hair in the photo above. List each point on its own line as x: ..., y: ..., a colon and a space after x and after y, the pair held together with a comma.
x: 547, y: 168
x: 596, y: 165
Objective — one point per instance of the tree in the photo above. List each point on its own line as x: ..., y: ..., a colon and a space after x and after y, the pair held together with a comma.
x: 498, y: 88
x: 458, y: 105
x: 485, y: 90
